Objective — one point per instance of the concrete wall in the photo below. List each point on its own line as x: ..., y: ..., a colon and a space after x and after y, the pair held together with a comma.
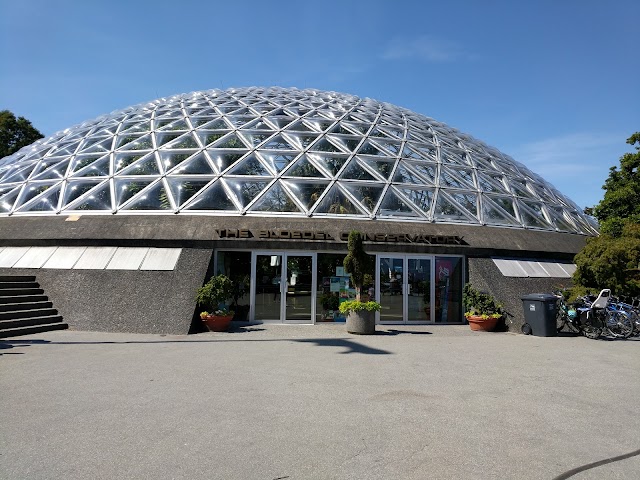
x: 485, y: 276
x: 126, y: 300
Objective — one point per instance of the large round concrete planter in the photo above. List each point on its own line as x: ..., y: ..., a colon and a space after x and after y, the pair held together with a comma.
x: 361, y: 323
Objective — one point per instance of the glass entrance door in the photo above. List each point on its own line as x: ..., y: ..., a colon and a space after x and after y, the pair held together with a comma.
x: 282, y: 287
x: 405, y: 289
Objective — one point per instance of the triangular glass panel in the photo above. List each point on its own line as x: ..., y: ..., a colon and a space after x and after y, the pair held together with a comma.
x: 185, y: 141
x: 154, y: 198
x: 134, y: 128
x: 207, y: 137
x: 230, y: 141
x: 98, y: 199
x: 196, y: 165
x: 367, y: 194
x: 304, y: 168
x: 246, y: 190
x: 336, y: 202
x: 560, y: 221
x: 318, y: 124
x: 171, y: 126
x: 74, y: 190
x: 54, y: 172
x: 493, y: 214
x: 339, y: 129
x: 532, y: 215
x: 447, y: 209
x: 301, y: 141
x: 8, y: 199
x: 144, y: 166
x: 280, y: 121
x: 468, y: 201
x: 421, y: 198
x: 81, y: 161
x: 348, y: 143
x: 484, y: 163
x: 277, y: 161
x: 126, y: 188
x: 99, y: 168
x: 356, y: 171
x: 391, y: 147
x: 331, y: 163
x: 404, y: 174
x: 250, y: 166
x: 255, y: 138
x: 143, y: 143
x: 44, y: 203
x: 394, y: 206
x: 490, y: 184
x: 423, y: 150
x: 456, y: 177
x: 520, y: 188
x: 258, y: 124
x: 200, y: 121
x: 126, y: 138
x: 504, y: 202
x: 307, y: 193
x: 213, y: 198
x: 368, y: 148
x: 217, y: 124
x: 32, y: 190
x: 380, y: 167
x: 238, y: 121
x: 183, y: 189
x: 358, y: 128
x: 299, y: 127
x: 275, y: 199
x: 16, y: 174
x: 222, y: 159
x: 169, y: 160
x: 277, y: 143
x: 393, y: 132
x: 453, y: 156
x: 104, y: 146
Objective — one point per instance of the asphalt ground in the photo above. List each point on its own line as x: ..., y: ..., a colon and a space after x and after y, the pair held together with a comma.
x: 313, y: 402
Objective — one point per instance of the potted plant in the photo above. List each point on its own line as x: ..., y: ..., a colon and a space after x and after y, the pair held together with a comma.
x: 361, y: 316
x: 482, y: 310
x: 213, y: 296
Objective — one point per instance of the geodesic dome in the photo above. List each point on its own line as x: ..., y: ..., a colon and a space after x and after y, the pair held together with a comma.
x: 284, y: 151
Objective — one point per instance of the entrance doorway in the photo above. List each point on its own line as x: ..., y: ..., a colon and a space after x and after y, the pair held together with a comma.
x: 283, y: 287
x: 418, y: 289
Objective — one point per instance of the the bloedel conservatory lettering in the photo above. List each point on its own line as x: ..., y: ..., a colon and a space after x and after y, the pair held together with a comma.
x: 316, y: 235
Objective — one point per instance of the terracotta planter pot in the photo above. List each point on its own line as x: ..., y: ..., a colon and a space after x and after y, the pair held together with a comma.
x: 216, y: 323
x: 476, y: 322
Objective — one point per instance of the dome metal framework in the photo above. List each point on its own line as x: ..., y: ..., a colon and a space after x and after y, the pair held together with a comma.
x: 284, y: 151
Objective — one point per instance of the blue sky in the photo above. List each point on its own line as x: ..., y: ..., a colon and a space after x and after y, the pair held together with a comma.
x: 555, y: 84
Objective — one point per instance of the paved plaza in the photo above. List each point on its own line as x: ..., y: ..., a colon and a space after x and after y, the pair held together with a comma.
x: 301, y: 402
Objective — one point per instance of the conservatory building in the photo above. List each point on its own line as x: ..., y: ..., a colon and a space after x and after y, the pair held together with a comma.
x: 123, y: 217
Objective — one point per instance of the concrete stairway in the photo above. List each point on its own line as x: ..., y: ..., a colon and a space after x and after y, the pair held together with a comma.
x: 24, y: 309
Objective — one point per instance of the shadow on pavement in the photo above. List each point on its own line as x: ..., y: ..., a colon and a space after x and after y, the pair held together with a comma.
x: 351, y: 346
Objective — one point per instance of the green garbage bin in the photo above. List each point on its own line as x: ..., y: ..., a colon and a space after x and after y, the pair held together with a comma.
x: 540, y: 314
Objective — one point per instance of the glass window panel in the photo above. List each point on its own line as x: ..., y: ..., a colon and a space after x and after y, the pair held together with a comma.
x: 447, y: 210
x: 123, y: 160
x: 145, y: 166
x: 154, y: 198
x: 197, y: 165
x: 421, y: 198
x: 183, y: 189
x: 278, y: 161
x: 82, y: 161
x: 304, y: 168
x: 382, y: 168
x: 426, y: 171
x: 394, y: 206
x: 532, y: 218
x: 368, y: 195
x: 213, y: 198
x: 250, y: 166
x: 126, y: 188
x: 46, y: 203
x: 230, y: 141
x: 143, y: 143
x: 456, y: 178
x: 495, y: 215
x: 74, y: 190
x: 307, y: 193
x: 404, y: 175
x: 468, y: 201
x: 328, y: 301
x: 337, y: 203
x: 275, y: 200
x: 54, y: 172
x: 331, y: 163
x: 208, y: 137
x: 99, y: 168
x: 246, y: 191
x: 392, y: 148
x: 224, y: 159
x: 255, y: 138
x: 419, y: 290
x: 32, y: 190
x: 169, y: 160
x: 355, y: 171
x: 369, y: 148
x: 98, y: 199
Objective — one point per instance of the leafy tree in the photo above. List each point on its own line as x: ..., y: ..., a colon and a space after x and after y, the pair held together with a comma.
x: 15, y: 133
x: 621, y: 202
x: 609, y: 261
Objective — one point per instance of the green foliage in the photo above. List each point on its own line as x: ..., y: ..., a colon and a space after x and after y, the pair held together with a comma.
x: 357, y: 306
x: 216, y: 291
x: 357, y: 262
x: 621, y: 202
x: 15, y: 133
x: 478, y: 303
x: 608, y: 261
x: 330, y: 301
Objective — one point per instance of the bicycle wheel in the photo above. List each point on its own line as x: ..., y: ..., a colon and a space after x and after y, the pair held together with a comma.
x: 619, y: 324
x: 591, y: 328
